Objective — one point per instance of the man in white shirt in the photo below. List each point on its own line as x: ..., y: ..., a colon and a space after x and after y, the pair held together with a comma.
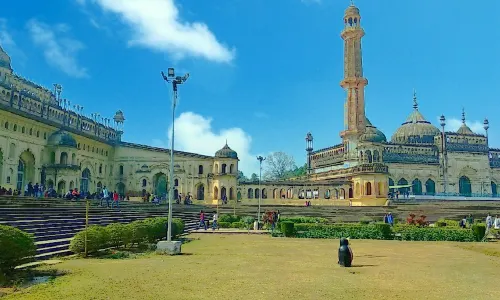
x: 214, y: 221
x: 489, y: 222
x: 496, y: 223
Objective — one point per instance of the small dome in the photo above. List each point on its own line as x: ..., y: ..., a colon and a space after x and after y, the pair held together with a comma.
x: 61, y: 138
x: 352, y: 10
x: 4, y: 59
x: 464, y: 129
x: 415, y: 130
x: 119, y: 117
x: 372, y: 134
x: 226, y: 152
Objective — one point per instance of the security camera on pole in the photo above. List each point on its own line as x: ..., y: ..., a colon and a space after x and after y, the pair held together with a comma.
x: 171, y: 247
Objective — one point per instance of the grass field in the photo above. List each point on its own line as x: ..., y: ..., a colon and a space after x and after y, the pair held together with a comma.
x: 261, y: 267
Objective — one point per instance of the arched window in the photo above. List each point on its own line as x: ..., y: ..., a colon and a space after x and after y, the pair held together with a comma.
x: 376, y: 156
x: 231, y: 169
x: 100, y: 169
x: 200, y: 170
x: 368, y: 188
x: 176, y: 182
x: 85, y: 181
x: 144, y: 183
x: 6, y: 125
x: 369, y: 158
x: 403, y: 181
x: 464, y: 186
x: 223, y: 168
x: 20, y: 176
x: 121, y: 170
x: 417, y: 187
x: 64, y: 158
x: 250, y: 193
x: 430, y: 187
x: 493, y: 189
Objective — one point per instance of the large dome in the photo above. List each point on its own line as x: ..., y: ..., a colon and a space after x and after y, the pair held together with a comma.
x: 226, y: 152
x: 415, y: 130
x: 372, y: 134
x: 61, y: 138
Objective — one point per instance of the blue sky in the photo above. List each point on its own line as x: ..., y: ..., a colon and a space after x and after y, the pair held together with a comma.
x: 263, y: 72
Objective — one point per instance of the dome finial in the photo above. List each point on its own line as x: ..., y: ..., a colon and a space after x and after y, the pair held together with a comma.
x: 415, y: 103
x: 352, y: 2
x: 463, y: 115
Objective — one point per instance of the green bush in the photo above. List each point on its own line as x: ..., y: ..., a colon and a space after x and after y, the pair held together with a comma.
x: 229, y: 218
x: 239, y: 225
x: 97, y: 238
x: 479, y: 231
x: 440, y: 224
x: 366, y: 220
x: 379, y: 231
x: 287, y: 228
x: 414, y: 233
x: 177, y: 227
x: 448, y: 223
x: 139, y: 232
x: 156, y: 228
x: 16, y: 248
x: 224, y: 224
x: 303, y: 220
x: 248, y: 222
x: 118, y: 235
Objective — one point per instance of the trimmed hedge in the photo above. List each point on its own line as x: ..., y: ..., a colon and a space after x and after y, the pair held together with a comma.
x: 287, y: 228
x: 226, y: 218
x: 16, y: 248
x: 117, y: 235
x: 377, y: 231
x: 303, y: 220
x: 479, y: 231
x: 414, y: 233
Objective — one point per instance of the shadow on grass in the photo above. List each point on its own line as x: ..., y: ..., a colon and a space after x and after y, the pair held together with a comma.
x: 362, y: 266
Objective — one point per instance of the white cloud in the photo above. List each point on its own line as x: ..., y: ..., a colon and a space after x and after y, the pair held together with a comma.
x: 194, y: 133
x: 156, y: 24
x: 59, y: 50
x: 452, y: 124
x: 8, y: 44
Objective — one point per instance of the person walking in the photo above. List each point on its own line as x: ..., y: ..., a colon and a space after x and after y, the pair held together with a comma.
x: 202, y: 220
x: 214, y: 221
x: 116, y: 200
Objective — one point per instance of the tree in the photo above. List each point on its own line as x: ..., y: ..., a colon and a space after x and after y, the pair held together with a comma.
x: 297, y: 172
x: 278, y: 165
x: 254, y: 177
x: 241, y: 176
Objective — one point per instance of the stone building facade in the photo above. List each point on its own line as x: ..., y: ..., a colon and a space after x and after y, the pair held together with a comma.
x: 44, y: 139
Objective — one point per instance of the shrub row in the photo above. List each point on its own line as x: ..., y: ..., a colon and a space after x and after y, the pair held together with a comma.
x: 382, y: 231
x: 378, y: 231
x: 117, y: 234
x: 16, y: 248
x: 455, y: 234
x: 238, y: 225
x: 303, y: 220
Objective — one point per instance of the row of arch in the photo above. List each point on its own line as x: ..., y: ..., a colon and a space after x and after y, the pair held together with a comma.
x: 369, y: 157
x: 464, y: 186
x: 288, y: 193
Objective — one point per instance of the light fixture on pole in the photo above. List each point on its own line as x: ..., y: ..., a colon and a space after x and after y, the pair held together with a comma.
x: 175, y: 80
x: 260, y: 159
x: 442, y: 121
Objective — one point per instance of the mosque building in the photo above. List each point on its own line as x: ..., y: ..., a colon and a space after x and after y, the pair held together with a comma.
x: 46, y: 140
x: 420, y: 158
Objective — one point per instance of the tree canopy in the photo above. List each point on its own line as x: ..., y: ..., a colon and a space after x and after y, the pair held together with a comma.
x: 279, y: 165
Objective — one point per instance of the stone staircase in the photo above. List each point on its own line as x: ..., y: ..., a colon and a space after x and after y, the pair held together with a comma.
x: 54, y: 222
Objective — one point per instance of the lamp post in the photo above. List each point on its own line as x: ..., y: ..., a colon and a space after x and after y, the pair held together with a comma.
x: 442, y: 121
x: 175, y: 80
x: 260, y: 159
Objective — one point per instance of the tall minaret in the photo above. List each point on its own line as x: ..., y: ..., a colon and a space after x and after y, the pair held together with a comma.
x: 353, y: 82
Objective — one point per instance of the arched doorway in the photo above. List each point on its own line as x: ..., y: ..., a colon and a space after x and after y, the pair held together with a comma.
x: 223, y: 193
x: 275, y: 193
x: 402, y: 181
x: 99, y: 187
x: 430, y: 187
x: 464, y: 186
x: 120, y: 188
x: 250, y: 193
x: 238, y: 196
x: 257, y: 194
x: 342, y: 193
x: 493, y: 189
x: 216, y: 193
x: 200, y: 192
x: 61, y: 187
x: 25, y: 169
x: 417, y: 186
x: 176, y: 194
x: 350, y: 193
x: 283, y: 194
x: 231, y: 193
x: 263, y: 193
x: 368, y: 188
x: 327, y: 194
x: 85, y: 181
x: 160, y: 184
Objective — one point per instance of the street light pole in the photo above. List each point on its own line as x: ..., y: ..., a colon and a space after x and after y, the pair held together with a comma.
x: 260, y: 159
x: 442, y: 121
x: 175, y: 80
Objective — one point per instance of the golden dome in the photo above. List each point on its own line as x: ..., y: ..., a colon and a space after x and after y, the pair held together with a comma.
x: 372, y: 134
x: 416, y: 129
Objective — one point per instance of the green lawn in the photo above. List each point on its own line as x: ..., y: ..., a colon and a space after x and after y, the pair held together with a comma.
x: 260, y: 267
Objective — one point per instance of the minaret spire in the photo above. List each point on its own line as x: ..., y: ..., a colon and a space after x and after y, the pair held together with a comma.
x: 463, y: 115
x: 415, y: 103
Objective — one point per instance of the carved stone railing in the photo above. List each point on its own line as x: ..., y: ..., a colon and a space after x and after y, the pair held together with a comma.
x: 462, y: 147
x: 406, y: 158
x: 62, y: 167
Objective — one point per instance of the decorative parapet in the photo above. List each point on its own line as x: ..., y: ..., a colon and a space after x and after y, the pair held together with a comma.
x: 62, y: 167
x: 30, y: 105
x: 465, y: 147
x: 406, y: 158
